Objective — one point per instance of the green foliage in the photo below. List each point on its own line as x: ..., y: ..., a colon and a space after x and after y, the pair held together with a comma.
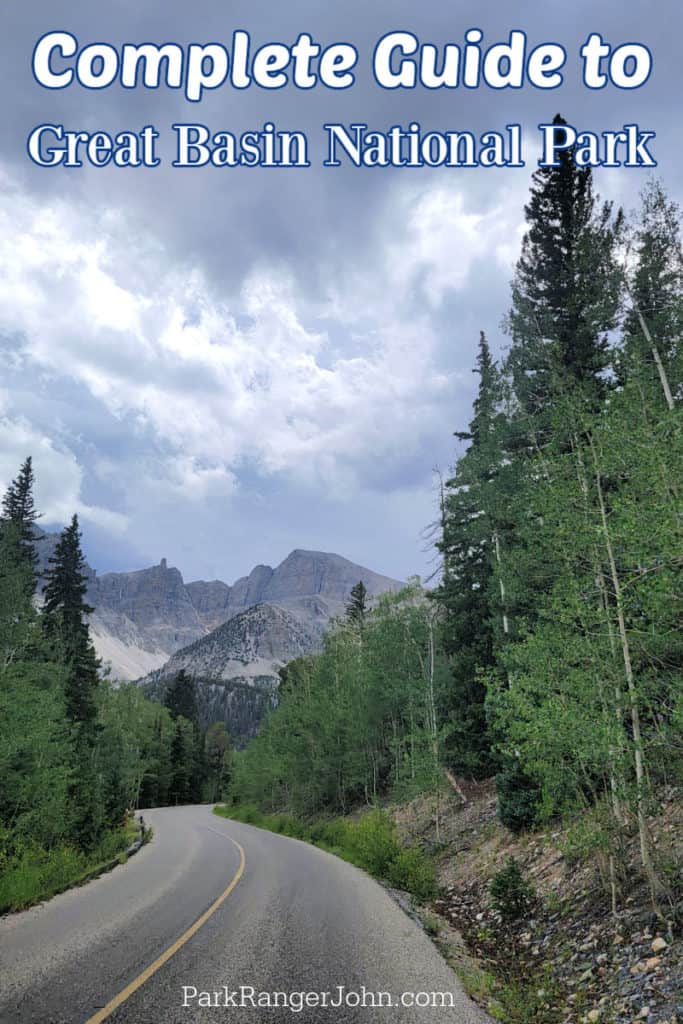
x: 18, y: 619
x: 180, y: 760
x: 656, y: 287
x: 295, y: 675
x: 586, y: 838
x: 219, y: 761
x: 357, y: 605
x: 181, y: 698
x: 35, y: 754
x: 188, y: 756
x: 566, y: 288
x: 33, y: 873
x: 527, y: 1000
x: 518, y: 799
x: 512, y: 896
x: 18, y: 520
x: 468, y: 526
x: 359, y: 719
x: 561, y: 530
x: 372, y: 842
x: 65, y: 626
x: 431, y: 925
x: 75, y: 753
x: 410, y: 870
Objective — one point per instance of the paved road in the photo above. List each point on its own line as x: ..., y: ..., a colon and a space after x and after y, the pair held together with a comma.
x: 280, y: 917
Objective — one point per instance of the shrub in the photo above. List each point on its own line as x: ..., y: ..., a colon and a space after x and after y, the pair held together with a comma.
x: 34, y: 874
x: 248, y: 813
x: 512, y: 896
x: 372, y: 842
x: 334, y: 834
x: 518, y: 799
x: 410, y: 870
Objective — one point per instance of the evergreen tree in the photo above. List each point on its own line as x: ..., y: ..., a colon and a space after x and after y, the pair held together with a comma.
x: 17, y: 614
x: 218, y: 761
x: 66, y: 630
x: 157, y: 770
x: 652, y: 350
x: 181, y: 701
x: 197, y: 765
x: 181, y: 775
x: 18, y: 505
x: 357, y: 605
x: 17, y: 524
x: 181, y: 698
x: 565, y: 292
x: 466, y: 592
x: 65, y: 625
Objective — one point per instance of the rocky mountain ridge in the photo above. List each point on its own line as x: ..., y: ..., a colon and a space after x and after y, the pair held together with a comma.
x: 236, y: 666
x: 249, y: 648
x: 142, y: 618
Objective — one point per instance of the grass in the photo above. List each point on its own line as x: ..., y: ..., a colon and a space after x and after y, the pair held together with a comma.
x: 370, y: 842
x: 431, y: 924
x: 35, y: 874
x: 530, y: 1000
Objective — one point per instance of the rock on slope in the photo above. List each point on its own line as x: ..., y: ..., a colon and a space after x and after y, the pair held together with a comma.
x: 235, y: 667
x: 249, y: 648
x: 567, y: 960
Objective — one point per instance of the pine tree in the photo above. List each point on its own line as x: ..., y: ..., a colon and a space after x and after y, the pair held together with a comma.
x: 180, y: 779
x: 18, y: 505
x: 218, y: 760
x: 65, y: 624
x: 652, y: 349
x: 181, y: 701
x: 17, y: 614
x: 17, y: 537
x: 66, y: 630
x: 467, y: 546
x: 181, y: 698
x: 357, y: 605
x: 566, y: 288
x: 565, y: 300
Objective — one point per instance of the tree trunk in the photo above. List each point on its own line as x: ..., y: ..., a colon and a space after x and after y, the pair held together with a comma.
x: 663, y: 379
x: 501, y: 584
x: 653, y: 881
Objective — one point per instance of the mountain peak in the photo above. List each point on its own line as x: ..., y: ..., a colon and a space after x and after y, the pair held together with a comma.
x: 143, y: 617
x: 307, y: 553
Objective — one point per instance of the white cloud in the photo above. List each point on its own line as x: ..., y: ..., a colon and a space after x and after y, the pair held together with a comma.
x: 445, y: 238
x: 59, y: 477
x: 218, y: 385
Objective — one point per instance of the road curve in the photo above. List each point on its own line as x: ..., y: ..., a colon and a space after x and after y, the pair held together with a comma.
x: 235, y: 915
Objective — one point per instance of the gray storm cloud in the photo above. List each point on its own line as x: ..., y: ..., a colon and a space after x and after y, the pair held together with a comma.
x: 229, y: 364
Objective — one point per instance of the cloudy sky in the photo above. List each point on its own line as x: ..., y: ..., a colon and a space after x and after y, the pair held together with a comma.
x: 218, y: 366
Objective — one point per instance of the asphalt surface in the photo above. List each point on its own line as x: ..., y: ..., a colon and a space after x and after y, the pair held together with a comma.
x: 298, y: 928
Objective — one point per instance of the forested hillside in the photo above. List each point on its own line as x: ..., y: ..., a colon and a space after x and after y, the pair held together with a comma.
x: 75, y: 753
x: 551, y: 652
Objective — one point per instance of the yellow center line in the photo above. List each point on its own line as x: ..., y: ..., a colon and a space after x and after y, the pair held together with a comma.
x: 138, y: 982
